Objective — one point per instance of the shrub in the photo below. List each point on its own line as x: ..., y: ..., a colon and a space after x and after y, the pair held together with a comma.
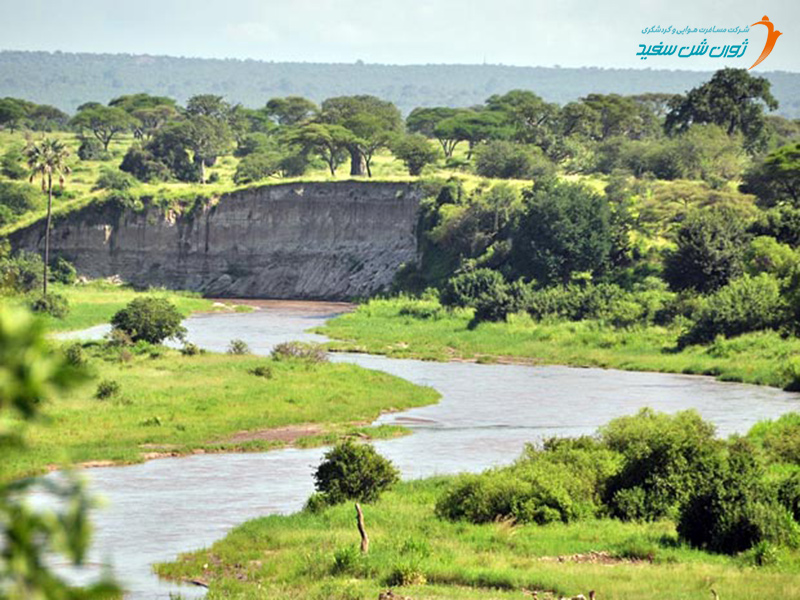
x: 351, y: 471
x: 745, y: 304
x: 415, y: 151
x: 92, y: 149
x: 264, y: 371
x: 114, y: 179
x: 55, y: 305
x: 63, y: 271
x: 466, y: 289
x: 566, y: 229
x: 19, y: 197
x: 767, y: 255
x: 667, y: 458
x: 710, y: 251
x: 238, y: 347
x: 106, y: 389
x: 789, y: 494
x: 507, y: 160
x: 256, y: 167
x: 74, y: 355
x: 143, y: 165
x: 190, y: 349
x: 562, y: 482
x: 21, y: 273
x: 11, y: 165
x: 308, y: 352
x: 734, y: 511
x: 780, y: 439
x: 150, y: 319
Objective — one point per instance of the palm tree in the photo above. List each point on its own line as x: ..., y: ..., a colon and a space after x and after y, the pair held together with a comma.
x: 47, y: 160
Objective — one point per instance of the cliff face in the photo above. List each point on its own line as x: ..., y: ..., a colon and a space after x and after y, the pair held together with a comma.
x: 334, y: 240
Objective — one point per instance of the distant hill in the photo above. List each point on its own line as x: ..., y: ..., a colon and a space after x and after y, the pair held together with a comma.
x: 67, y: 80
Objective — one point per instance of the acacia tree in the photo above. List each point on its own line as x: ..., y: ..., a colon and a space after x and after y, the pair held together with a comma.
x: 291, y: 110
x: 47, y: 160
x: 371, y: 120
x: 207, y: 138
x: 532, y: 118
x: 329, y: 142
x: 733, y: 99
x: 105, y: 122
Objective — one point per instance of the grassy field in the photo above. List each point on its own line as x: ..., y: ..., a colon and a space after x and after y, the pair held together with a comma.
x: 315, y: 556
x: 96, y: 302
x: 175, y: 404
x: 380, y: 327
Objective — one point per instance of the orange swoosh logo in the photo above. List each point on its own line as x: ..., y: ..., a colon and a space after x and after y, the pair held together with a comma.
x: 772, y: 37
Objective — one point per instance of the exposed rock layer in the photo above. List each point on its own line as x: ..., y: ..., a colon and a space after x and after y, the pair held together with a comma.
x: 334, y: 241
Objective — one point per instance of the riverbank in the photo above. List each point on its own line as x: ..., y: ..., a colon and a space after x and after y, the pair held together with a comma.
x: 406, y: 328
x: 150, y: 401
x: 316, y: 556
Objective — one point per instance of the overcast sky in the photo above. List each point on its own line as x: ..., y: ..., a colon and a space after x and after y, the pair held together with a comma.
x: 569, y: 33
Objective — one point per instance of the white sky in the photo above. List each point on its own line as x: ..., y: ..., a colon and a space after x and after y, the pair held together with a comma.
x: 569, y: 33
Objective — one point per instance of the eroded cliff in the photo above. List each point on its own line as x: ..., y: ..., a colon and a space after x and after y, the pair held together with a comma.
x: 334, y: 240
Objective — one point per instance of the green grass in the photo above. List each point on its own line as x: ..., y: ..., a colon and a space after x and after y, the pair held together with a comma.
x: 176, y: 404
x: 96, y: 302
x: 378, y: 327
x: 315, y: 556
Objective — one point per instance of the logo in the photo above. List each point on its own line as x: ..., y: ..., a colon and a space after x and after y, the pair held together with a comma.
x: 729, y: 45
x: 772, y: 37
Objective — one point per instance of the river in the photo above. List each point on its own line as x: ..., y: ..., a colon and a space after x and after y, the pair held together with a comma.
x: 487, y: 413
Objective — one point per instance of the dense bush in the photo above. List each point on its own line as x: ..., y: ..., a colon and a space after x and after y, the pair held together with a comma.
x: 55, y: 305
x: 745, y: 304
x: 21, y: 273
x: 62, y: 271
x: 782, y: 223
x: 780, y: 439
x: 466, y: 289
x: 19, y: 197
x: 735, y: 510
x: 108, y: 388
x: 255, y: 167
x: 667, y: 458
x: 561, y: 482
x: 767, y: 255
x: 415, y: 151
x: 114, y: 179
x: 789, y: 494
x: 142, y: 164
x: 351, y: 471
x: 11, y: 165
x: 92, y: 149
x: 507, y: 160
x: 710, y: 251
x: 149, y: 319
x: 605, y: 301
x: 565, y: 229
x: 74, y: 355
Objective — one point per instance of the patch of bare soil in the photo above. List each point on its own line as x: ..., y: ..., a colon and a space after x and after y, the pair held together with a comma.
x: 288, y: 434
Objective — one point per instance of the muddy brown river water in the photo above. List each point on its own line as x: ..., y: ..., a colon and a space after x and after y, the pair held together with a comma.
x: 487, y: 413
